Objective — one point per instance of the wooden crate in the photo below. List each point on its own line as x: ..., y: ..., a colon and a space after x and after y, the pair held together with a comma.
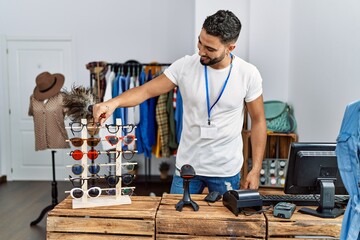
x: 211, y: 221
x: 129, y: 221
x: 303, y: 226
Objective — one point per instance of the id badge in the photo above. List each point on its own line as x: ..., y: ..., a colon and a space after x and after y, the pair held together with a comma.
x: 208, y: 132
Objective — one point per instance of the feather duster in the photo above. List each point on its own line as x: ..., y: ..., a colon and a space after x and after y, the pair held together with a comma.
x: 78, y: 103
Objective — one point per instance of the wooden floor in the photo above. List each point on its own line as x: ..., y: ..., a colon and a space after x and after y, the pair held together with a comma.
x: 21, y: 202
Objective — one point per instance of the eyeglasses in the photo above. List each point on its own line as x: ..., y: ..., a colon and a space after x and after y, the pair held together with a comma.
x: 114, y: 128
x: 78, y: 142
x: 78, y: 154
x: 126, y: 178
x: 78, y: 182
x: 92, y: 192
x: 127, y: 154
x: 92, y: 128
x: 113, y: 140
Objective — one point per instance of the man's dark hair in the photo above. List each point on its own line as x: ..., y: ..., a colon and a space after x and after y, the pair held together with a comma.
x: 223, y: 24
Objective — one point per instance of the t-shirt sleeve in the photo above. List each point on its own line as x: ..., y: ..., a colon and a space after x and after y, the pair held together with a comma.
x: 174, y: 71
x: 255, y: 86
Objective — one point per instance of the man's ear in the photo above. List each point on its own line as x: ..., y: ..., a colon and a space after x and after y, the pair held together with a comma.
x: 230, y: 48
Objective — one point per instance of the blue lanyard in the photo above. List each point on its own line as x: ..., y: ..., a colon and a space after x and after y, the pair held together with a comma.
x: 207, y: 91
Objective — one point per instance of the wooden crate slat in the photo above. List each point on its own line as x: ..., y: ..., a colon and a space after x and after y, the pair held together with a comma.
x: 135, y: 204
x: 189, y: 237
x: 100, y: 225
x: 222, y: 213
x: 307, y: 228
x: 210, y: 227
x: 82, y: 236
x: 105, y: 213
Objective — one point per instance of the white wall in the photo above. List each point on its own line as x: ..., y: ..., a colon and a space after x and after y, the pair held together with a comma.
x: 110, y: 30
x: 269, y: 45
x: 324, y: 64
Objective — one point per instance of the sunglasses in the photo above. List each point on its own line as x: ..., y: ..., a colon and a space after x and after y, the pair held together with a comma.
x: 78, y: 182
x: 95, y: 192
x: 126, y: 178
x: 113, y: 140
x: 78, y: 169
x: 92, y: 192
x: 92, y: 128
x: 78, y: 142
x: 124, y: 191
x: 126, y: 154
x: 78, y: 154
x: 114, y: 128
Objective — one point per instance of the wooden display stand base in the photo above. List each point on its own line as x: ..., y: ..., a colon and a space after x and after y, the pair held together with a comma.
x: 101, y: 201
x: 129, y: 221
x: 211, y: 221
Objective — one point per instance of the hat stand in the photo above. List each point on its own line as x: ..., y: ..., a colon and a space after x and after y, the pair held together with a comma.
x: 54, y: 194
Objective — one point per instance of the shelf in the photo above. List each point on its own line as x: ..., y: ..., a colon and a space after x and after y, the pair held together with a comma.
x: 277, y: 148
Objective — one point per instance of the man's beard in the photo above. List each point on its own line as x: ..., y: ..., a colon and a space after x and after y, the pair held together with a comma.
x: 212, y: 61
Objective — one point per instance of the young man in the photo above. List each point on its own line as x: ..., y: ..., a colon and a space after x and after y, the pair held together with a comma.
x: 215, y: 85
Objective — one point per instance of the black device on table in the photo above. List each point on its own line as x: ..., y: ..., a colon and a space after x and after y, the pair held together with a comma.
x: 312, y: 179
x: 212, y: 197
x: 237, y: 200
x: 187, y: 172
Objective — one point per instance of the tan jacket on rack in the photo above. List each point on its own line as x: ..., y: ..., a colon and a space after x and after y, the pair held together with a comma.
x: 49, y: 126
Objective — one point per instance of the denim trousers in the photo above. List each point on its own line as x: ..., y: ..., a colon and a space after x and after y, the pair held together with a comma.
x: 198, y: 183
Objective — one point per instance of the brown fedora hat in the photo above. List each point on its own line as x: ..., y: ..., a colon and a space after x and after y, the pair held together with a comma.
x: 48, y: 85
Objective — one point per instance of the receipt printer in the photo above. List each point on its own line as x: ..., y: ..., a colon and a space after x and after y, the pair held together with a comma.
x: 236, y: 200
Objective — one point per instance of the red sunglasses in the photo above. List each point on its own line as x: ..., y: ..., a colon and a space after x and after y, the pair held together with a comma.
x: 78, y: 154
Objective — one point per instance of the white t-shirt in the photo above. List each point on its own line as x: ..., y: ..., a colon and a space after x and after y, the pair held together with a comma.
x: 222, y: 156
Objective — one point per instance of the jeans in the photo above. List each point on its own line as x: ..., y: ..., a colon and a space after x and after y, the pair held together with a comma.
x: 198, y: 183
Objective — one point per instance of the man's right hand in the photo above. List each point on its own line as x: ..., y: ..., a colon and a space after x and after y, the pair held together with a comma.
x: 102, y: 111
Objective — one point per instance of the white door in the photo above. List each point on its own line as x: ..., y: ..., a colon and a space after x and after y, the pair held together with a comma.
x: 26, y: 59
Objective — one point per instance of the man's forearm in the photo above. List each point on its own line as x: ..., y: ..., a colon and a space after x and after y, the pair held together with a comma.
x: 258, y: 143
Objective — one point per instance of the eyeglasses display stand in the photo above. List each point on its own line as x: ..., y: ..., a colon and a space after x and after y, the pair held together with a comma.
x: 88, y: 199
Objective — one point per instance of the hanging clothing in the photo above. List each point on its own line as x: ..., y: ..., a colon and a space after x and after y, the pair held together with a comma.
x: 49, y: 126
x: 98, y: 70
x: 163, y: 124
x: 107, y: 96
x: 151, y: 131
x: 141, y: 130
x: 178, y: 115
x: 348, y: 157
x: 173, y: 145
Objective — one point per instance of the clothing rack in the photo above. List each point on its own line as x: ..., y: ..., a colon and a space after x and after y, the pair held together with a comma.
x: 133, y: 63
